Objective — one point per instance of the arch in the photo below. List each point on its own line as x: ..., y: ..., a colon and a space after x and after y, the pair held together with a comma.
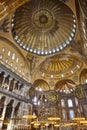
x: 6, y: 82
x: 41, y: 85
x: 9, y: 110
x: 16, y: 109
x: 65, y: 86
x: 1, y: 78
x: 8, y: 113
x: 2, y: 100
x: 83, y: 76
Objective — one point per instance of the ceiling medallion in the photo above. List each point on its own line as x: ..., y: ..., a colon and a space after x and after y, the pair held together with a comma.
x: 43, y: 27
x: 43, y: 20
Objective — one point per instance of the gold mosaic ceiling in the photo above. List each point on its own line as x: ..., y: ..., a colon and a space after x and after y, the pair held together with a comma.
x: 43, y: 27
x: 47, y: 38
x: 65, y: 86
x: 41, y: 85
x: 9, y: 6
x: 63, y: 64
x: 83, y: 4
x: 83, y: 76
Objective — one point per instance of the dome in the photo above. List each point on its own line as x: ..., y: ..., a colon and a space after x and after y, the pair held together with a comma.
x: 49, y: 27
x: 41, y: 85
x: 65, y: 86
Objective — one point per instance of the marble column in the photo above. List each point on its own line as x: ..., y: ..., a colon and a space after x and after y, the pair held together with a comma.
x: 3, y: 80
x: 0, y: 77
x: 19, y: 85
x: 9, y: 83
x: 14, y: 85
x: 4, y: 112
x: 20, y: 111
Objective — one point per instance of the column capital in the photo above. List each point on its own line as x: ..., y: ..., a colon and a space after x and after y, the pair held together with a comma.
x: 15, y: 103
x: 6, y: 101
x: 5, y: 75
x: 10, y: 78
x: 15, y: 81
x: 19, y: 84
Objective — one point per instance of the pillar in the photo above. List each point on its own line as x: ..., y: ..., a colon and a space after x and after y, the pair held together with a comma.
x: 9, y: 83
x: 3, y: 80
x: 20, y: 111
x: 14, y: 84
x: 19, y: 85
x: 4, y: 112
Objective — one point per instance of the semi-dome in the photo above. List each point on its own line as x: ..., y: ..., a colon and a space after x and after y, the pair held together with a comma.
x: 83, y: 76
x: 65, y: 86
x: 49, y: 27
x: 41, y: 85
x: 12, y: 57
x: 61, y: 65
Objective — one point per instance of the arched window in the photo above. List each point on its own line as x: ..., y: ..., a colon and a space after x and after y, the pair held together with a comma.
x: 1, y: 56
x: 13, y: 56
x: 71, y: 114
x: 76, y: 101
x: 70, y: 104
x: 62, y: 103
x: 3, y: 49
x: 9, y: 53
x: 17, y: 60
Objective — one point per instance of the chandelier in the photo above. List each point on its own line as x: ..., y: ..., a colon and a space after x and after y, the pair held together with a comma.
x: 52, y: 122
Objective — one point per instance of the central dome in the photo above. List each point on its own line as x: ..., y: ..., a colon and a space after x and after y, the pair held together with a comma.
x: 43, y: 27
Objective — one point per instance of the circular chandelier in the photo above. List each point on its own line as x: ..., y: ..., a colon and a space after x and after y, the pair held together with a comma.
x: 43, y: 27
